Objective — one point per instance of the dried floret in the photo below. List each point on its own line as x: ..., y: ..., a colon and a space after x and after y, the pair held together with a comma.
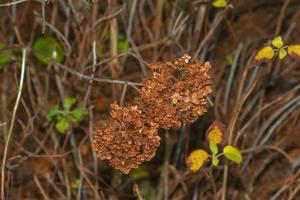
x: 126, y: 141
x: 190, y: 92
x: 175, y: 93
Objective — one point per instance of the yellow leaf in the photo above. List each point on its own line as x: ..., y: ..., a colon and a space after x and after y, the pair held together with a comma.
x: 277, y: 42
x: 220, y: 3
x: 264, y: 54
x: 233, y: 154
x: 282, y: 54
x: 215, y: 133
x: 294, y: 50
x: 196, y: 160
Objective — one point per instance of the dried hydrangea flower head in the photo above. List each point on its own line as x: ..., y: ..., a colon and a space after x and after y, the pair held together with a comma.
x: 174, y: 93
x: 126, y: 141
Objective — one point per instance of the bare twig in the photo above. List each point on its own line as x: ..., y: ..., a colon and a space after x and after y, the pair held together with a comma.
x: 102, y: 80
x: 218, y: 19
x: 123, y: 94
x: 87, y: 95
x: 137, y: 192
x: 294, y: 192
x: 231, y: 127
x: 263, y: 147
x: 105, y: 18
x: 281, y: 16
x: 231, y: 76
x: 37, y: 182
x: 17, y: 2
x: 12, y: 124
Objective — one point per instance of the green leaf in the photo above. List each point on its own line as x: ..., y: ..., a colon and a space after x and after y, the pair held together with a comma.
x: 277, y: 42
x: 213, y: 148
x: 220, y: 3
x: 139, y: 173
x: 147, y: 190
x: 215, y: 161
x: 4, y: 57
x: 62, y: 125
x: 122, y: 43
x: 78, y: 114
x: 48, y: 47
x: 52, y: 112
x: 233, y: 154
x: 69, y: 102
x: 229, y: 58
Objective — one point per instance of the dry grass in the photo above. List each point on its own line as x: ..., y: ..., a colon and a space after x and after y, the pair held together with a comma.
x: 259, y: 105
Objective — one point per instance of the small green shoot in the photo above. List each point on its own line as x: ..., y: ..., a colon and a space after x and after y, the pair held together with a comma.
x: 215, y: 135
x: 67, y: 116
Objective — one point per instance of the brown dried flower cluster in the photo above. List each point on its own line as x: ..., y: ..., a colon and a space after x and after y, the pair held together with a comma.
x: 173, y: 94
x: 127, y: 140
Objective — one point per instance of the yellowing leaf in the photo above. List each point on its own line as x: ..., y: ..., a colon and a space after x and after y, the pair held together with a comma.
x: 196, y: 160
x: 294, y: 50
x: 215, y: 133
x: 282, y: 54
x: 233, y: 154
x: 264, y: 54
x: 277, y: 42
x: 220, y: 3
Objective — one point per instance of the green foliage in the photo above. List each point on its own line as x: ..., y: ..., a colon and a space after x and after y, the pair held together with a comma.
x: 215, y: 135
x: 52, y: 112
x: 65, y: 118
x: 233, y: 154
x: 68, y: 103
x: 78, y: 114
x: 213, y: 148
x: 229, y: 58
x: 4, y: 57
x: 147, y: 190
x: 215, y: 161
x: 139, y: 173
x: 123, y: 44
x: 46, y: 48
x: 62, y: 125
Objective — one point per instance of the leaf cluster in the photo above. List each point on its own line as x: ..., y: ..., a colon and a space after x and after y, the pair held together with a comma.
x: 215, y: 135
x: 67, y: 116
x: 277, y: 49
